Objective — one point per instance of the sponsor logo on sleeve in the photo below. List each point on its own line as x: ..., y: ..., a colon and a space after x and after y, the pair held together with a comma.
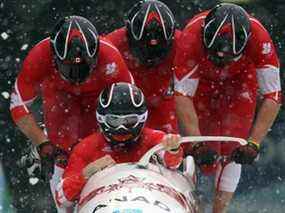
x: 111, y: 68
x: 266, y: 48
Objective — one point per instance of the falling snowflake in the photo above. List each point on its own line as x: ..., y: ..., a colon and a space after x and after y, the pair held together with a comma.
x: 4, y: 35
x: 5, y: 94
x: 24, y: 46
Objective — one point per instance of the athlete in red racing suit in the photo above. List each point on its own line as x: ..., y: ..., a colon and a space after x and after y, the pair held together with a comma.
x: 150, y: 57
x: 220, y: 89
x: 121, y: 139
x: 69, y: 91
x: 95, y: 147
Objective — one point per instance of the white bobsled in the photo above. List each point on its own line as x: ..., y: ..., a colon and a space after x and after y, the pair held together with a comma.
x: 143, y: 187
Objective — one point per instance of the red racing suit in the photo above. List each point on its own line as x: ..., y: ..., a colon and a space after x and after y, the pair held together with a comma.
x: 225, y: 97
x: 156, y: 83
x: 69, y: 110
x: 94, y: 147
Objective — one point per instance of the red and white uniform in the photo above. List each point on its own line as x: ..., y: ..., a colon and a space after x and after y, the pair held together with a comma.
x: 155, y: 82
x: 69, y: 110
x: 94, y: 147
x: 225, y: 97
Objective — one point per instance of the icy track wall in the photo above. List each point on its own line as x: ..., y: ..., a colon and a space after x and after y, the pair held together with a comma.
x: 24, y: 23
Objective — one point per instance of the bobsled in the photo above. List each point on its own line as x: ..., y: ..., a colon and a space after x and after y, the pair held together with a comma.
x: 144, y: 187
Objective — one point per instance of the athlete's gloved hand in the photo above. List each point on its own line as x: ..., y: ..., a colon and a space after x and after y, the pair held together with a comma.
x: 171, y: 143
x: 246, y: 154
x: 39, y: 161
x: 203, y: 155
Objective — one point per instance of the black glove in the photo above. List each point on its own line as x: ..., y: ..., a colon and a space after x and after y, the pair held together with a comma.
x: 245, y: 154
x: 39, y: 161
x: 47, y: 154
x: 203, y: 155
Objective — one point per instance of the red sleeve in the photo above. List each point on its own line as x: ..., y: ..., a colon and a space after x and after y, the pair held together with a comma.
x: 33, y: 71
x: 171, y: 159
x: 262, y: 51
x: 115, y: 68
x: 186, y: 62
x: 73, y: 180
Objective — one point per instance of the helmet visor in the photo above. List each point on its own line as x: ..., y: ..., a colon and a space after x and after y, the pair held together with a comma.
x: 122, y: 121
x: 74, y: 72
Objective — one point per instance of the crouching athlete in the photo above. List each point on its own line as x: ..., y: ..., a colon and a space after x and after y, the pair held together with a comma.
x: 121, y: 115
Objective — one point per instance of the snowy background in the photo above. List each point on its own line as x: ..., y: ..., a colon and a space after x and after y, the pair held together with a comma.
x: 25, y: 22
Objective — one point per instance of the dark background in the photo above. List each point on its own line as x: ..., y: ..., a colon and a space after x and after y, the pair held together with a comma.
x: 26, y: 22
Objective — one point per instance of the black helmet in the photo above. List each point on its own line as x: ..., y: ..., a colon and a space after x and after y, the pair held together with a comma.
x: 226, y: 32
x: 75, y: 44
x: 121, y: 112
x: 150, y: 29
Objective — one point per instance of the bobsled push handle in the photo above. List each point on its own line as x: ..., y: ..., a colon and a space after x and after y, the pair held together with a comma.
x: 143, y: 162
x: 200, y: 139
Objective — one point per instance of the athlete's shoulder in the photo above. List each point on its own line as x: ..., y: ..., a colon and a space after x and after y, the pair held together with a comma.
x: 191, y: 37
x: 43, y: 44
x: 106, y: 45
x: 197, y: 22
x: 108, y: 52
x: 190, y: 49
x: 258, y: 32
x: 111, y: 65
x: 260, y: 45
x: 38, y: 63
x: 117, y: 36
x: 152, y: 136
x: 90, y: 143
x: 256, y: 25
x: 41, y: 51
